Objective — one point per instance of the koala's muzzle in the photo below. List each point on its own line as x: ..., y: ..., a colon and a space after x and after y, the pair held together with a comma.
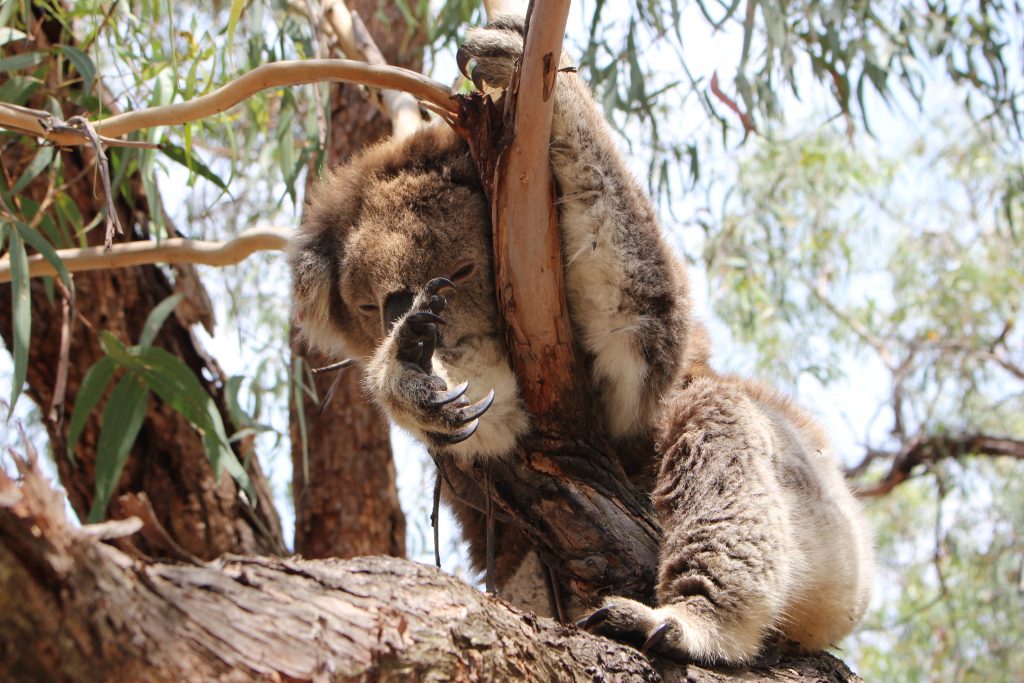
x: 395, y: 306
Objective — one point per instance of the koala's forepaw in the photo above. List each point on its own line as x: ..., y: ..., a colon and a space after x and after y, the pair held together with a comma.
x: 445, y: 415
x: 494, y: 49
x: 649, y: 630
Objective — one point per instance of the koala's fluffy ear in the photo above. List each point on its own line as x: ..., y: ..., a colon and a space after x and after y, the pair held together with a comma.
x: 315, y: 255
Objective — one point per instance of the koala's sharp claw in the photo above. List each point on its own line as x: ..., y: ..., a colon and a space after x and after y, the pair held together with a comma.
x: 462, y: 434
x: 440, y: 398
x: 423, y: 317
x: 474, y: 411
x: 594, y: 619
x: 462, y: 58
x: 656, y: 637
x: 437, y: 284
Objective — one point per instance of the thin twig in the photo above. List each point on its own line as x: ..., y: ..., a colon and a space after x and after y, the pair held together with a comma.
x: 56, y: 413
x: 173, y: 250
x: 113, y: 221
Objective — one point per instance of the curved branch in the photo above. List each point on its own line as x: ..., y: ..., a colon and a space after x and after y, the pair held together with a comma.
x: 173, y: 250
x: 274, y: 75
x: 933, y: 449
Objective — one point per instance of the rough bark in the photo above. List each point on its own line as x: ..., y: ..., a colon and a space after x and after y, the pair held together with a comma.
x: 202, y: 512
x: 73, y: 608
x: 349, y: 504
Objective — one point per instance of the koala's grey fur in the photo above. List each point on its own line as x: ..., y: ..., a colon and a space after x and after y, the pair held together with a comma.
x: 761, y: 535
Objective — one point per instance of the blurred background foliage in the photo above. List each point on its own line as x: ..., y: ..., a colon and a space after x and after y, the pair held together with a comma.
x: 846, y: 177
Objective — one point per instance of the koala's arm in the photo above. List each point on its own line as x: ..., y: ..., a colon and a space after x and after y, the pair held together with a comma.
x: 627, y: 293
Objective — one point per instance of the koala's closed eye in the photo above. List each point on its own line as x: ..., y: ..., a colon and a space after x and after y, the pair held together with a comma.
x: 462, y: 273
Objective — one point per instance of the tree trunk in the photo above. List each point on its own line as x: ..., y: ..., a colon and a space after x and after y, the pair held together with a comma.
x: 73, y: 608
x: 349, y: 506
x: 202, y: 512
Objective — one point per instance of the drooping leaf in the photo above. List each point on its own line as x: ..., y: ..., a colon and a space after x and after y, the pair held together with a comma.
x: 43, y: 246
x: 42, y: 159
x: 236, y: 12
x: 22, y: 61
x: 93, y: 385
x: 156, y: 318
x: 191, y: 162
x: 21, y: 306
x: 83, y: 65
x: 122, y: 419
x: 176, y: 385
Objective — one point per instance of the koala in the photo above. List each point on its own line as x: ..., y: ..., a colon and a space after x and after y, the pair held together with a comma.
x: 762, y: 539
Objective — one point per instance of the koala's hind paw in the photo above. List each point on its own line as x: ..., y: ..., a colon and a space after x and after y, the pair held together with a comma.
x: 650, y: 630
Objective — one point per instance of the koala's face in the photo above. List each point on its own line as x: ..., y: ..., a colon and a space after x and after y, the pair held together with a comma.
x: 414, y: 228
x: 378, y: 230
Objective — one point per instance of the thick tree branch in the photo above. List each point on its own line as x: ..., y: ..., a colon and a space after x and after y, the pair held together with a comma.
x: 172, y: 250
x: 77, y: 609
x: 926, y: 450
x: 527, y: 244
x: 274, y: 75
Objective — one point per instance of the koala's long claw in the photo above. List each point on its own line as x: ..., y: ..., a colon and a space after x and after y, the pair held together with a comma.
x: 471, y: 412
x: 437, y: 284
x: 656, y: 637
x: 440, y: 398
x: 423, y: 317
x: 462, y: 58
x: 594, y: 619
x: 460, y: 435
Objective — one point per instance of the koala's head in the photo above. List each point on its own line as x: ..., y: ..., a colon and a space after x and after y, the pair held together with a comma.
x: 378, y: 229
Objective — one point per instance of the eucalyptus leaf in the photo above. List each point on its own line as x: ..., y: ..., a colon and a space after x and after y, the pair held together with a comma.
x: 156, y: 318
x: 42, y: 159
x: 122, y: 419
x: 45, y: 248
x: 93, y: 385
x: 21, y: 306
x: 192, y: 163
x: 83, y: 65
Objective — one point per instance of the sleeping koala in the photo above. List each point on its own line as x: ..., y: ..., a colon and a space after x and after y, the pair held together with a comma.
x: 393, y: 263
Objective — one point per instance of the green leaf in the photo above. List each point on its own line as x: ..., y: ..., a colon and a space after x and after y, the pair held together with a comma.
x: 156, y: 318
x: 93, y: 386
x: 42, y: 159
x: 22, y: 61
x: 177, y: 386
x: 21, y: 306
x: 236, y: 12
x: 122, y: 419
x: 192, y: 163
x: 83, y: 65
x: 39, y: 242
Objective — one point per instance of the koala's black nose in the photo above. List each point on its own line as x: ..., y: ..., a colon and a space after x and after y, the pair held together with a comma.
x: 395, y: 306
